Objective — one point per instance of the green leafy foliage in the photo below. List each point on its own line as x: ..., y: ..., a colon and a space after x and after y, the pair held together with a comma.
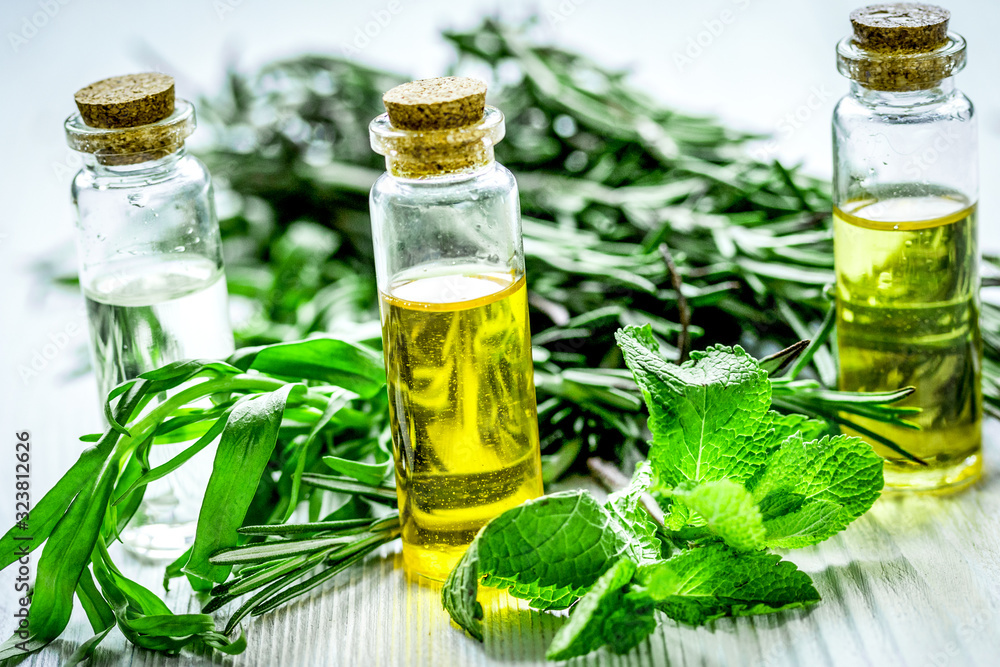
x: 712, y: 581
x: 609, y: 614
x: 638, y: 527
x: 727, y: 510
x: 244, y: 451
x: 607, y: 176
x: 746, y: 474
x: 699, y: 412
x: 548, y: 551
x: 736, y: 477
x: 272, y: 427
x: 812, y: 490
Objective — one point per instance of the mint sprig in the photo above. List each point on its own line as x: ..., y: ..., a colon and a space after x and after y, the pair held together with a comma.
x: 734, y: 479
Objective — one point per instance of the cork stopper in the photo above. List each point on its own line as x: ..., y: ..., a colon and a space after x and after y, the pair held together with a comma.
x: 126, y: 101
x: 900, y: 47
x: 436, y: 104
x: 901, y: 27
x: 437, y: 127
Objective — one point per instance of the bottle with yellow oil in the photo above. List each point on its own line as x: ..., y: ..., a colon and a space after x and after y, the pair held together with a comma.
x: 905, y: 238
x: 446, y: 227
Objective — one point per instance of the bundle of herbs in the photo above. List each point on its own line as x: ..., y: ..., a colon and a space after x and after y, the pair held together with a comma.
x: 301, y: 489
x: 634, y: 215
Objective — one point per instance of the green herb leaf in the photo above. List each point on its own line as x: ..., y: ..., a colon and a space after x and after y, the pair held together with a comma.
x: 243, y: 453
x: 61, y: 565
x: 85, y: 651
x: 727, y: 510
x: 549, y: 551
x: 368, y: 473
x: 812, y: 490
x: 335, y: 362
x: 50, y: 510
x: 609, y: 614
x: 626, y: 507
x: 700, y: 411
x: 705, y: 583
x: 751, y: 476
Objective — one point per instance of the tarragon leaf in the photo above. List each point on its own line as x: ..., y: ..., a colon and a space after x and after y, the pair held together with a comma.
x: 728, y: 510
x: 700, y: 411
x: 244, y: 451
x: 812, y: 490
x: 610, y: 613
x: 709, y: 582
x: 336, y: 362
x: 549, y: 551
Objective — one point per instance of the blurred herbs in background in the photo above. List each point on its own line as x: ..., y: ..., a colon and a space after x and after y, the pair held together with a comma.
x: 633, y: 214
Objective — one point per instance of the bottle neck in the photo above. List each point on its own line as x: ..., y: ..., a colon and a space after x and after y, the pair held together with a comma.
x: 438, y: 154
x: 401, y: 171
x: 933, y: 94
x: 149, y: 169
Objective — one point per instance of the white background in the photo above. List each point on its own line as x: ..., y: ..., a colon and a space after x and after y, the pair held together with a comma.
x: 774, y: 59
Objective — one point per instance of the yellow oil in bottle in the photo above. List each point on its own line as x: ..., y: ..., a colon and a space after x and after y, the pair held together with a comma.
x: 462, y: 409
x: 908, y: 315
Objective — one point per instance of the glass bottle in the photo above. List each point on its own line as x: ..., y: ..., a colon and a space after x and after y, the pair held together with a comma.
x: 448, y: 255
x: 905, y: 239
x: 150, y: 266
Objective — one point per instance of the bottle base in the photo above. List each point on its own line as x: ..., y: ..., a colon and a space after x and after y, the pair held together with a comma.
x: 159, y: 542
x: 433, y: 564
x: 940, y: 480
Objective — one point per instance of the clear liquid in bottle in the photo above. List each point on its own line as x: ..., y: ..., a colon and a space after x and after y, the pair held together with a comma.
x: 144, y: 314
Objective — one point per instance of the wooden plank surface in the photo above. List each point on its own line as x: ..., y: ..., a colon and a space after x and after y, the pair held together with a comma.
x: 914, y: 583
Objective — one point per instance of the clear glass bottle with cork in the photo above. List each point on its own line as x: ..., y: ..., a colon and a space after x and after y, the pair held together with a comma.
x: 150, y: 266
x: 448, y: 252
x: 905, y: 238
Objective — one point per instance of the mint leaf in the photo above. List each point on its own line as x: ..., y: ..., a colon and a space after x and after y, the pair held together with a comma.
x: 711, y: 422
x: 610, y: 613
x: 549, y: 551
x: 702, y: 584
x: 811, y: 523
x: 699, y: 412
x: 733, y: 477
x: 626, y: 508
x: 458, y: 596
x: 728, y: 510
x: 812, y: 490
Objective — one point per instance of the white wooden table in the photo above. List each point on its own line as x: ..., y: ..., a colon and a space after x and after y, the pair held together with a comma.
x: 915, y: 582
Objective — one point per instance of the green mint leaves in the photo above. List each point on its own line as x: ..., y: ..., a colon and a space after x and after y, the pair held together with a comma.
x: 734, y: 479
x: 549, y: 551
x: 702, y: 414
x: 709, y: 582
x: 726, y: 462
x: 610, y: 613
